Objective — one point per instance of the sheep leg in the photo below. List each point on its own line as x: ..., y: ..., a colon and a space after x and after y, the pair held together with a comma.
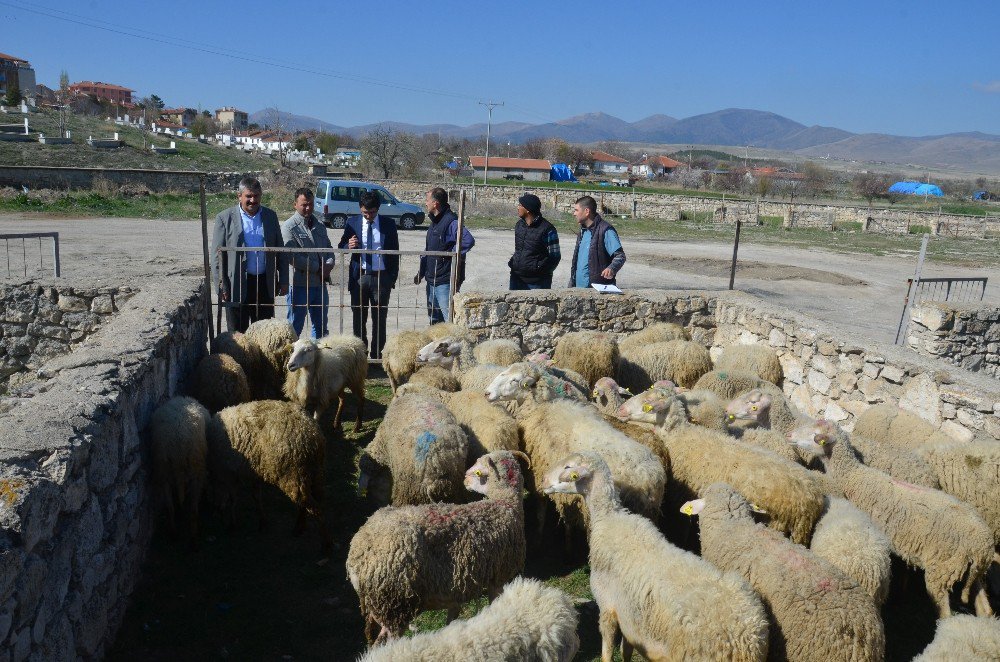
x: 453, y: 612
x: 626, y: 650
x: 608, y: 626
x: 340, y: 410
x: 983, y: 607
x: 359, y: 391
x: 941, y: 598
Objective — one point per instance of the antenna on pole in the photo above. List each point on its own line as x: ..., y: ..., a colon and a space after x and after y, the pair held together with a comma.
x: 490, y: 105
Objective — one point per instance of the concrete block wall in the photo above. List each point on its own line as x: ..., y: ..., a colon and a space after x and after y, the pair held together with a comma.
x: 75, y: 508
x: 967, y: 335
x: 827, y: 374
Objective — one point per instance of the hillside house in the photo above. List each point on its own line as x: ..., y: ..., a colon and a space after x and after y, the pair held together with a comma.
x: 536, y: 170
x: 182, y: 116
x: 106, y: 91
x: 15, y: 71
x: 232, y: 118
x: 609, y: 164
x: 657, y: 166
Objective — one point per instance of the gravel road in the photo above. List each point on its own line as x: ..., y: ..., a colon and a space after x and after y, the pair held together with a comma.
x: 858, y: 293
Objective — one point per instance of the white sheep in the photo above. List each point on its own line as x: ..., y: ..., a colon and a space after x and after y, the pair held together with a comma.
x: 850, y: 540
x: 699, y: 457
x: 273, y: 442
x: 928, y: 528
x: 666, y: 603
x: 886, y: 423
x: 487, y: 427
x: 609, y: 396
x: 399, y: 356
x: 680, y: 361
x: 418, y: 454
x: 407, y: 559
x: 591, y: 353
x: 498, y: 351
x: 178, y: 449
x: 274, y: 338
x: 218, y: 381
x: 320, y: 370
x: 759, y: 360
x: 656, y: 332
x: 246, y: 352
x: 963, y: 638
x: 529, y: 621
x: 817, y: 611
x: 526, y: 382
x: 451, y: 353
x: 970, y: 472
x: 435, y: 377
x: 479, y: 378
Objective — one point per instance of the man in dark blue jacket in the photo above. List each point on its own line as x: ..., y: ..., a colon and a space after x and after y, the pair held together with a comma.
x: 441, y: 236
x: 372, y: 277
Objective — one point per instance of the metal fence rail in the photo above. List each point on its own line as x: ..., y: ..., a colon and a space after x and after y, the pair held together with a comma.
x: 24, y: 252
x: 958, y: 290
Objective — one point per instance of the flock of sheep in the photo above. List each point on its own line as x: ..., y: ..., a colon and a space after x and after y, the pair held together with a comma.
x: 641, y: 443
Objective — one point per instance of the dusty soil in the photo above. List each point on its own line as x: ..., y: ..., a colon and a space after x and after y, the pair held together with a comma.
x: 857, y: 293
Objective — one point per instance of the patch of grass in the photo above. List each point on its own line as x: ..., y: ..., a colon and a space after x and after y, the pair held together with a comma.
x: 770, y: 221
x: 697, y: 216
x: 847, y: 226
x: 919, y: 229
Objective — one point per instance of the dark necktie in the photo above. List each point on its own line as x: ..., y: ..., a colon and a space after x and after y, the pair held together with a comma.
x: 369, y: 246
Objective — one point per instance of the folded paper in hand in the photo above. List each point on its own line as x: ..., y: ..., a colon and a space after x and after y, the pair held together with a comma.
x: 606, y: 289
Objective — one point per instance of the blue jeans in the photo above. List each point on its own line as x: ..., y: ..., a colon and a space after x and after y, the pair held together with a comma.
x: 437, y: 302
x: 315, y: 301
x: 543, y: 283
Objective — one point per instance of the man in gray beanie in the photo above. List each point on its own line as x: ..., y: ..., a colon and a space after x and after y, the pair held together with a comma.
x: 536, y: 247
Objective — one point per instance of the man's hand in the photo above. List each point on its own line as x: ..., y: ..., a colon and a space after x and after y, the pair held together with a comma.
x: 354, y: 242
x: 607, y: 273
x: 282, y: 290
x: 327, y: 268
x: 416, y: 279
x: 223, y: 295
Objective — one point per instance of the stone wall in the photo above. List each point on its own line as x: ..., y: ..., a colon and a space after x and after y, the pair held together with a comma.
x: 670, y: 207
x: 827, y: 374
x: 967, y: 335
x: 159, y: 181
x: 75, y: 513
x: 39, y: 322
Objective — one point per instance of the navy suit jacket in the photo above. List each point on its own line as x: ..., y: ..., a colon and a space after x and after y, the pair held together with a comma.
x: 390, y: 242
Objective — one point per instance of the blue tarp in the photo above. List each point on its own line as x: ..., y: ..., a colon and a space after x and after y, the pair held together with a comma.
x: 561, y: 173
x: 915, y: 188
x: 981, y: 195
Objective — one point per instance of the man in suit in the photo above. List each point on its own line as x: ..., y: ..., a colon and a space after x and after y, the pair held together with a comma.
x: 247, y: 280
x: 372, y: 277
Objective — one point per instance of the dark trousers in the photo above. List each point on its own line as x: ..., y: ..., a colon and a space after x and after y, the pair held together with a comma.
x: 258, y: 304
x: 371, y: 292
x: 541, y: 284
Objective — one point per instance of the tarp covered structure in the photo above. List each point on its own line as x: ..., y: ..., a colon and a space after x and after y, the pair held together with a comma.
x: 560, y: 172
x: 915, y: 188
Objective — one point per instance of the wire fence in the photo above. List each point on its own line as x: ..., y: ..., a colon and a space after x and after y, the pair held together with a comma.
x: 23, y: 257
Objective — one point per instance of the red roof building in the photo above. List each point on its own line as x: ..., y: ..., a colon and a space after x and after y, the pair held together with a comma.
x: 106, y: 91
x: 506, y: 168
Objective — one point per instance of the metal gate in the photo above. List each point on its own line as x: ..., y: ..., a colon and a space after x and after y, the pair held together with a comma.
x: 23, y: 260
x: 958, y: 290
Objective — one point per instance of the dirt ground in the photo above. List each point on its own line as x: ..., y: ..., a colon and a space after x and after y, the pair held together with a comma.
x: 856, y: 293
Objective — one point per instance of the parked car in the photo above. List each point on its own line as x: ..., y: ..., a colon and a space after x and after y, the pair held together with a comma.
x: 336, y: 199
x: 517, y: 177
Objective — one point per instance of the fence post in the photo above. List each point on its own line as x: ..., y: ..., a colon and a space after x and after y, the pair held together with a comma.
x: 208, y: 270
x: 456, y: 261
x: 903, y: 321
x: 55, y: 253
x: 736, y: 248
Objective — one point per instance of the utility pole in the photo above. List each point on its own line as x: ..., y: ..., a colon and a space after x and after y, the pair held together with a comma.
x: 490, y: 105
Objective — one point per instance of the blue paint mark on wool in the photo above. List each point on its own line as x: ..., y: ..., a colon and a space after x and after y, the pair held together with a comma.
x: 424, y: 442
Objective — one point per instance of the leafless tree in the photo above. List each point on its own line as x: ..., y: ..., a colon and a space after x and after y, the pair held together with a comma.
x: 817, y: 178
x: 275, y: 123
x: 385, y: 149
x: 870, y: 185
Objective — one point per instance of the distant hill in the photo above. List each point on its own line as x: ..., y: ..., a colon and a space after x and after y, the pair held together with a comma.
x: 970, y: 151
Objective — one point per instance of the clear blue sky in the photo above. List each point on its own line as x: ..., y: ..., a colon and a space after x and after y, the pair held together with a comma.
x: 915, y: 68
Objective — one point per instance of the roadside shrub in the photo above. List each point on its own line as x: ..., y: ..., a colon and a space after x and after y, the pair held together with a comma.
x: 919, y: 229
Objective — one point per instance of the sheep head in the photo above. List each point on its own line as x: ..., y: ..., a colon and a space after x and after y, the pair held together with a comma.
x: 653, y: 406
x: 721, y: 495
x: 304, y: 353
x: 815, y: 437
x: 753, y: 407
x: 608, y: 394
x: 496, y: 468
x: 538, y: 358
x: 440, y: 352
x: 514, y: 383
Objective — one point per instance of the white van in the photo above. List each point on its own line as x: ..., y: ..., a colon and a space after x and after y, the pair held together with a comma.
x: 336, y: 199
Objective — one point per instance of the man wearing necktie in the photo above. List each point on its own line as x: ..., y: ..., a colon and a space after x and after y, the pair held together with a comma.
x: 371, y: 276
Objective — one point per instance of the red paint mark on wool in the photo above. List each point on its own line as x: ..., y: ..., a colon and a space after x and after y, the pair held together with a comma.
x: 825, y: 585
x: 910, y: 486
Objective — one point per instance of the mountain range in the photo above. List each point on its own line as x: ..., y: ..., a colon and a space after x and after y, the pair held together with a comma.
x: 969, y: 151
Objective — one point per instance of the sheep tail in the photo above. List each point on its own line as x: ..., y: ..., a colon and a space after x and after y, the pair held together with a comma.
x: 974, y: 574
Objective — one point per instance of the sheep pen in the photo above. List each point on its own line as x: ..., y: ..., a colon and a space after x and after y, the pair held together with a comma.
x: 333, y: 601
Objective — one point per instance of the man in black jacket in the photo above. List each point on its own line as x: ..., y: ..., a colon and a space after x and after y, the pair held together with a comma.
x: 441, y: 236
x: 598, y: 256
x: 536, y: 247
x: 372, y: 277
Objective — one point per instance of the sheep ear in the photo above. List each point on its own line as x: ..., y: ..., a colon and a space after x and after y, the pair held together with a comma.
x: 289, y: 347
x: 492, y: 465
x: 573, y: 474
x: 757, y: 509
x: 693, y: 507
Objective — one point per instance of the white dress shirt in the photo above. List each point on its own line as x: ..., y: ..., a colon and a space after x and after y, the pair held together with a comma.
x: 378, y: 264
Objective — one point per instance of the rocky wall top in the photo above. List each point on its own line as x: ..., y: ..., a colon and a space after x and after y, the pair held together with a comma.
x: 965, y: 334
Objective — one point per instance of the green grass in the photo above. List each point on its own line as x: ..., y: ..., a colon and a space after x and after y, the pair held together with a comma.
x: 918, y: 229
x: 173, y: 206
x: 771, y: 221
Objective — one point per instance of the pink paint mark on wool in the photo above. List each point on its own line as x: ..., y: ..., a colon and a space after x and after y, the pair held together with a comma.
x: 910, y: 486
x: 825, y: 585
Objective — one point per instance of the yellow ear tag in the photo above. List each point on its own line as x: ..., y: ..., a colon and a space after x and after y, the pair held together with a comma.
x: 479, y: 472
x: 732, y: 417
x: 574, y: 475
x: 446, y: 353
x: 754, y: 408
x: 647, y: 408
x: 524, y: 384
x: 594, y: 394
x: 821, y: 440
x: 628, y: 391
x: 687, y: 509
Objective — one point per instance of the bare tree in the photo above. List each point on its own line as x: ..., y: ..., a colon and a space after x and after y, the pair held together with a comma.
x: 817, y: 177
x: 870, y: 185
x: 385, y: 149
x: 275, y: 124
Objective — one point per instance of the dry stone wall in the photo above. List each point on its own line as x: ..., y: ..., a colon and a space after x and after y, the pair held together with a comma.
x: 39, y: 322
x: 669, y: 207
x: 75, y: 512
x: 827, y: 374
x: 44, y: 177
x: 967, y: 335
